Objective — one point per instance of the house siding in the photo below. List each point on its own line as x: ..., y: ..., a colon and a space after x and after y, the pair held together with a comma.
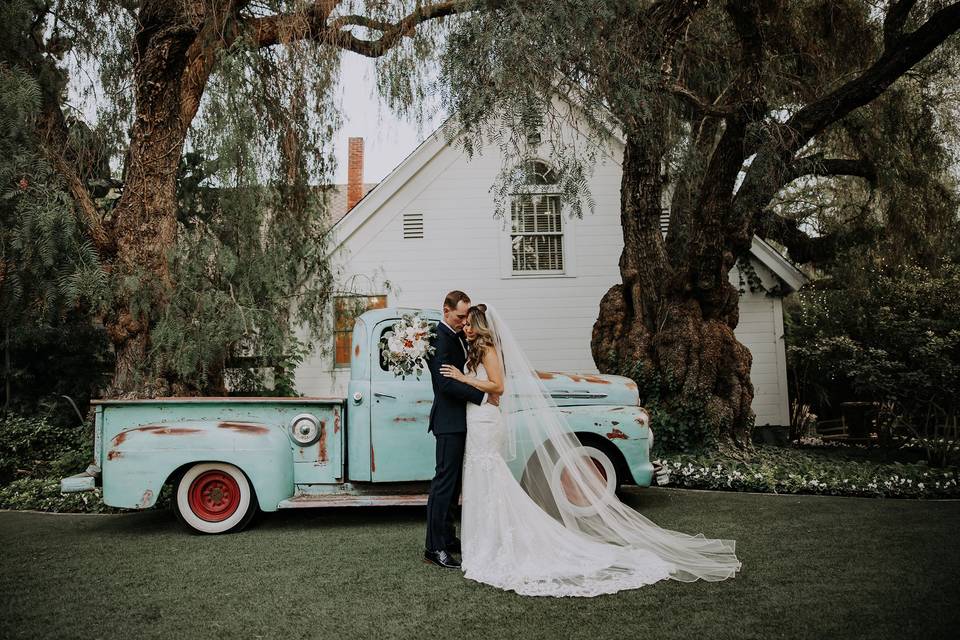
x: 465, y: 247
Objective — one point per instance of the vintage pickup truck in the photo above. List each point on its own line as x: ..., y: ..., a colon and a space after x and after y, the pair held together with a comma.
x: 228, y: 457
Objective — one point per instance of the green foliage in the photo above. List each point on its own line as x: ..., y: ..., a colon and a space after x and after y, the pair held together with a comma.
x: 250, y: 263
x: 70, y: 357
x: 35, y: 447
x: 47, y: 265
x: 43, y: 494
x: 781, y: 470
x: 679, y: 423
x: 888, y: 333
x: 51, y: 280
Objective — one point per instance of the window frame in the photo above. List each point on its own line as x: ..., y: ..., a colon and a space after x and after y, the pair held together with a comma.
x: 347, y: 333
x: 544, y: 192
x: 568, y: 233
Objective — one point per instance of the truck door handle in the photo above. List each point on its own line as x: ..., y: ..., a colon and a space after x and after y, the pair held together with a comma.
x: 384, y: 395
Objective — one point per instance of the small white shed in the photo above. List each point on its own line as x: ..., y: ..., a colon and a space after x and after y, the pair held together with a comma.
x: 429, y: 228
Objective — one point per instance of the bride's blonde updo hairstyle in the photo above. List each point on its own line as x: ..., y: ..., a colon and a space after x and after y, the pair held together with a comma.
x: 483, y: 337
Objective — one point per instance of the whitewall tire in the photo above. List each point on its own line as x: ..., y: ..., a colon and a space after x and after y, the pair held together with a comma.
x: 214, y: 497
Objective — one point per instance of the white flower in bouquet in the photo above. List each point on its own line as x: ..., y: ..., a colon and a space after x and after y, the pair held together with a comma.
x: 407, y: 346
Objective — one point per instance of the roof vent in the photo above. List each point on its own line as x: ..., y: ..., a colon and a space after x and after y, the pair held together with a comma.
x: 412, y: 226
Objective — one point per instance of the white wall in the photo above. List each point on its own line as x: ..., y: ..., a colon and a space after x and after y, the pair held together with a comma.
x: 464, y: 247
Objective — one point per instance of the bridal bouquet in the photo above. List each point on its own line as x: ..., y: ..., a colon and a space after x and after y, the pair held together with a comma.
x: 406, y: 348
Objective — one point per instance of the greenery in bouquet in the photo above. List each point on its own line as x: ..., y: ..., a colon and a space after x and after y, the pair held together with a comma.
x: 406, y: 348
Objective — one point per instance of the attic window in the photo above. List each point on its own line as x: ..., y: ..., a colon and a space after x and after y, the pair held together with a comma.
x: 537, y: 172
x: 412, y: 226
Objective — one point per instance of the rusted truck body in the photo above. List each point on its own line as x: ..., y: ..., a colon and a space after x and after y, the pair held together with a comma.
x: 230, y: 457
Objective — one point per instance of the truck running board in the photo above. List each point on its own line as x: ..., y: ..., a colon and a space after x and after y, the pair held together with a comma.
x: 353, y: 500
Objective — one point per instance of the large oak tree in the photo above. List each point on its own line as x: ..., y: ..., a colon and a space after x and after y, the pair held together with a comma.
x: 222, y: 114
x: 723, y: 105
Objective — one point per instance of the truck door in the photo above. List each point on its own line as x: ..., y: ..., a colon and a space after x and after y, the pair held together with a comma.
x: 401, y: 449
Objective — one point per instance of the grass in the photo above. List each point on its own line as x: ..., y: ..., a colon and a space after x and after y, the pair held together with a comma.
x: 814, y: 566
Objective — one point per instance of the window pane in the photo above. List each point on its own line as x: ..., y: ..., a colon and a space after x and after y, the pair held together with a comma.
x: 346, y: 311
x: 342, y: 351
x: 538, y: 253
x: 535, y: 214
x: 536, y: 172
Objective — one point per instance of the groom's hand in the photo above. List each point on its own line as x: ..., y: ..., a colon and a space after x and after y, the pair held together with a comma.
x: 493, y: 399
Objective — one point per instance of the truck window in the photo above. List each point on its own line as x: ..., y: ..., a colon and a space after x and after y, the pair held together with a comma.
x: 383, y: 361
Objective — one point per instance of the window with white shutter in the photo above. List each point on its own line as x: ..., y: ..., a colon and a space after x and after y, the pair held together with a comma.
x: 536, y: 224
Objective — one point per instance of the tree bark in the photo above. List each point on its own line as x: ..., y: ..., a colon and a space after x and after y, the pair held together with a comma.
x: 674, y: 319
x: 175, y: 51
x: 173, y: 56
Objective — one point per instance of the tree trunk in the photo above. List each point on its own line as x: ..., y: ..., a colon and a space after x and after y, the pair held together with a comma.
x: 674, y: 320
x: 174, y: 53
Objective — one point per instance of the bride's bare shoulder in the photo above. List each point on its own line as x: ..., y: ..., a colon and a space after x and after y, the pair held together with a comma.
x: 491, y: 359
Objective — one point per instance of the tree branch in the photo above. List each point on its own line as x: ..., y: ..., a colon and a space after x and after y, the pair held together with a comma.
x: 54, y: 135
x: 818, y: 165
x: 312, y: 24
x: 804, y: 248
x: 894, y: 21
x: 699, y: 104
x: 775, y: 154
x: 893, y: 63
x: 218, y: 32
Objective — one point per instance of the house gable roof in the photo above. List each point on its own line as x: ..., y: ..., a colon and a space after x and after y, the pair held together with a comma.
x: 382, y: 192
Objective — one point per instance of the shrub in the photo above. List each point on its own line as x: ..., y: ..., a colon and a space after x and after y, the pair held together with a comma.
x: 680, y: 423
x: 43, y: 494
x: 785, y: 470
x: 36, y: 447
x: 888, y: 334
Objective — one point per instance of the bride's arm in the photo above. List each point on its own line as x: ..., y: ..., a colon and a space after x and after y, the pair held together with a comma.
x: 491, y: 362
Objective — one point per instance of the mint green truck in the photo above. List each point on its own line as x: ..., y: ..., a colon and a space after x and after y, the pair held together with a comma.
x: 227, y: 458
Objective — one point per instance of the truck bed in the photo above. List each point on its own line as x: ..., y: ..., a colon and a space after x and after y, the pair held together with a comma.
x: 231, y: 399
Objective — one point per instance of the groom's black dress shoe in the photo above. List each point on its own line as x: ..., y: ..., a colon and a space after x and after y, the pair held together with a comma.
x: 441, y: 558
x: 454, y: 547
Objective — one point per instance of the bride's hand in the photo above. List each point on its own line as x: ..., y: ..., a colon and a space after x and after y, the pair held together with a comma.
x: 451, y: 371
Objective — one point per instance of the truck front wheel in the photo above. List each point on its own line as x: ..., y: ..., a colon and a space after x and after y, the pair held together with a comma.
x: 214, y: 497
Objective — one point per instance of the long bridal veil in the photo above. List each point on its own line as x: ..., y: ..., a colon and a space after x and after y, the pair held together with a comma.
x: 551, y: 464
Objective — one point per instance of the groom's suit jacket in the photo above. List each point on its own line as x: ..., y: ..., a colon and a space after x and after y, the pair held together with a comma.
x: 450, y: 397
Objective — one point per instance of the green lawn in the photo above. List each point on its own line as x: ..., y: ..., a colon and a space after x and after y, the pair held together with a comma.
x: 814, y: 567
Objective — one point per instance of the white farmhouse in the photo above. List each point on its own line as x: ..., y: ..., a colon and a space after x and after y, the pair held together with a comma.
x: 429, y: 228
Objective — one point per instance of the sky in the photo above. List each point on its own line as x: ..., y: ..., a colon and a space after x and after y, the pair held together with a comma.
x: 387, y: 140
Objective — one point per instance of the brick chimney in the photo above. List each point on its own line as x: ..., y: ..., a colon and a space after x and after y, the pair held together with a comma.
x: 354, y: 172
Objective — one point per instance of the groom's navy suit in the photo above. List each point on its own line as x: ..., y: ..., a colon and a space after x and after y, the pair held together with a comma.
x: 448, y: 422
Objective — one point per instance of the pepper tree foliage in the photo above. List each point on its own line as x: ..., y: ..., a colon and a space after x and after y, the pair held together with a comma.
x: 504, y: 70
x: 818, y: 124
x: 50, y: 274
x: 247, y: 280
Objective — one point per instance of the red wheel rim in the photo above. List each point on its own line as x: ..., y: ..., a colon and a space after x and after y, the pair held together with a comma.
x: 573, y: 494
x: 214, y: 496
x: 599, y: 465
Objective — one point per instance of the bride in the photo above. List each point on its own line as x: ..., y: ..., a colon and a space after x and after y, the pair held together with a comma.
x: 537, y: 516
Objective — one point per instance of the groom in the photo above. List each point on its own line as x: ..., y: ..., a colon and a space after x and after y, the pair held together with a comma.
x: 448, y: 422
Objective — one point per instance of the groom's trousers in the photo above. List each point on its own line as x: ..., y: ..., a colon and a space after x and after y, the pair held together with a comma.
x: 445, y: 490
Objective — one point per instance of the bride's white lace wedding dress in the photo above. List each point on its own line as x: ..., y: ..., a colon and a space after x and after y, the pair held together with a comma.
x: 509, y: 542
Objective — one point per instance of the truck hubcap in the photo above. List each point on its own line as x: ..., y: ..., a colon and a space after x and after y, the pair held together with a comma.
x: 570, y: 489
x: 214, y: 496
